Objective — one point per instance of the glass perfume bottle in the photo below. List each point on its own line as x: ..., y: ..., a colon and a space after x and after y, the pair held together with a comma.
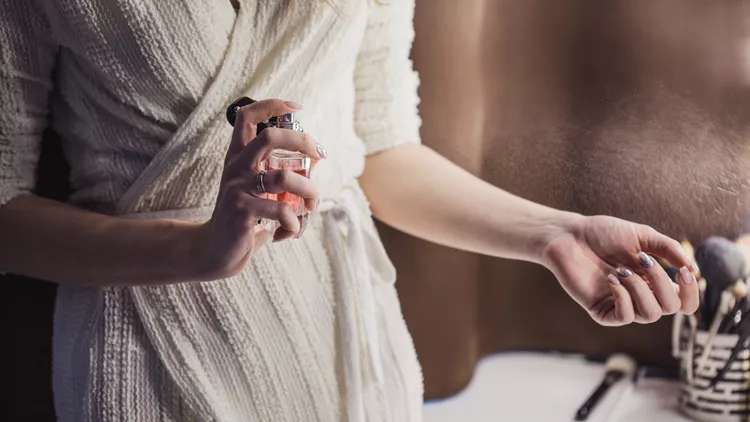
x: 280, y: 160
x: 289, y: 160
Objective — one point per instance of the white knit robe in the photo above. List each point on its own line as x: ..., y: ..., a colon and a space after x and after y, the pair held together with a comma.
x: 137, y: 95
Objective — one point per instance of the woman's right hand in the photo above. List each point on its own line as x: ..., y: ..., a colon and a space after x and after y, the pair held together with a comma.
x: 226, y: 242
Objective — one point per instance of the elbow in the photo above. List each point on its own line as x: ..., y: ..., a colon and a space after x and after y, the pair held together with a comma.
x: 374, y: 182
x: 387, y: 179
x: 373, y: 194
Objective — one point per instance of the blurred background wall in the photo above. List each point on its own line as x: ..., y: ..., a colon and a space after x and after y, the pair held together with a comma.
x: 636, y: 108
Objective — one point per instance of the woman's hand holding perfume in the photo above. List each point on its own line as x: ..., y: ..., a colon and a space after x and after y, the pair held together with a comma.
x: 226, y: 242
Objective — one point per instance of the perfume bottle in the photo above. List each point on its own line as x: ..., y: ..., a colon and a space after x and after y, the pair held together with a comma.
x: 289, y: 160
x: 280, y: 160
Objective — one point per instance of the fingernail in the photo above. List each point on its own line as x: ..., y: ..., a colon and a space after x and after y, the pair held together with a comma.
x: 294, y: 105
x: 613, y: 280
x: 322, y: 151
x: 686, y: 276
x: 624, y: 272
x: 645, y: 260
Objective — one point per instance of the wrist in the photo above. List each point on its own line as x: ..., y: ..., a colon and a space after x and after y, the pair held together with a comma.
x: 210, y: 256
x: 553, y: 226
x: 191, y: 254
x: 173, y: 250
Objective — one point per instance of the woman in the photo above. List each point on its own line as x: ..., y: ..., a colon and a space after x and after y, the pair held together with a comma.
x: 172, y: 305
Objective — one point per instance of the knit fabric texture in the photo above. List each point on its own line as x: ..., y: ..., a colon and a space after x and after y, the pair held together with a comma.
x: 137, y: 90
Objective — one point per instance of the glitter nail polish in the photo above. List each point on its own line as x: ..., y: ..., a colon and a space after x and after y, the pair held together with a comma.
x: 645, y: 260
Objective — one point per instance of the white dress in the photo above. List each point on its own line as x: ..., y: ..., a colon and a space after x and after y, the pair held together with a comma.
x: 311, y: 330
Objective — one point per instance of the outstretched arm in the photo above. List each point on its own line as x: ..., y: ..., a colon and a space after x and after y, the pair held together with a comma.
x: 602, y: 262
x: 416, y: 190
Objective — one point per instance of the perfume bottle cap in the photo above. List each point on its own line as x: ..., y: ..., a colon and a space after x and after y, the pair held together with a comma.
x: 287, y: 121
x: 286, y: 118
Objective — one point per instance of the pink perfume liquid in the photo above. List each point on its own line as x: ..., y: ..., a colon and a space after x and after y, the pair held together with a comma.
x: 298, y: 163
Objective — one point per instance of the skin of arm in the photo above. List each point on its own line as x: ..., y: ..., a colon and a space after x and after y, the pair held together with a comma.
x: 411, y: 188
x: 602, y: 262
x: 53, y: 241
x: 449, y: 206
x: 58, y: 242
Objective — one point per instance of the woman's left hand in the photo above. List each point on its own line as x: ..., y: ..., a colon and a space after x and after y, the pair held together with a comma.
x: 604, y: 263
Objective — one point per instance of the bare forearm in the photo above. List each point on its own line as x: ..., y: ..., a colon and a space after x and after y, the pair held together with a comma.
x: 57, y: 242
x: 417, y: 191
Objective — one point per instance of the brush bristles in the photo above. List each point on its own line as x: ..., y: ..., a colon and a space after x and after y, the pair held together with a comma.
x: 621, y: 363
x: 740, y: 289
x: 688, y: 248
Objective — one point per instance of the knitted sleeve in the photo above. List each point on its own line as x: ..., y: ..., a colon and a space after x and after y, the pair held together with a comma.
x: 386, y: 84
x: 27, y: 56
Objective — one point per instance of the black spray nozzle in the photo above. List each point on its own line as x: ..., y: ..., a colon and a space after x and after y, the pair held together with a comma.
x: 244, y: 101
x: 235, y: 107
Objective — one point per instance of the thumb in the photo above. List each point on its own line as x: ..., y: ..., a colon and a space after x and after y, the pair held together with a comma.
x: 262, y: 237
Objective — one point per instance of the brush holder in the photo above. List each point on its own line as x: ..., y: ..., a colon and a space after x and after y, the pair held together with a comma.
x: 729, y: 399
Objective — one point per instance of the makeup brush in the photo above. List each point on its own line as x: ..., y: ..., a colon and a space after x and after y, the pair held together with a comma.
x: 672, y: 272
x: 734, y: 317
x: 701, y: 298
x: 617, y: 367
x: 688, y: 248
x: 743, y: 242
x: 728, y: 297
x: 742, y: 344
x: 721, y: 263
x: 693, y: 328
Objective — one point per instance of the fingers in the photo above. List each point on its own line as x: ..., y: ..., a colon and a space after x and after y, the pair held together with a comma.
x: 672, y: 251
x: 278, y: 181
x: 658, y: 244
x: 647, y: 308
x: 274, y: 138
x: 282, y: 234
x: 244, y: 212
x: 688, y: 291
x: 661, y: 284
x: 262, y: 237
x: 656, y: 297
x: 278, y: 211
x: 624, y: 311
x: 248, y: 117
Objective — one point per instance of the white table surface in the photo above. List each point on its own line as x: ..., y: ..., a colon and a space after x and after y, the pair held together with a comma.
x: 521, y: 387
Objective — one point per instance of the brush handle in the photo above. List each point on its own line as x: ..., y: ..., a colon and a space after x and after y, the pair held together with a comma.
x: 689, y: 355
x: 727, y: 324
x: 711, y: 304
x: 742, y: 343
x: 610, y: 378
x: 727, y: 302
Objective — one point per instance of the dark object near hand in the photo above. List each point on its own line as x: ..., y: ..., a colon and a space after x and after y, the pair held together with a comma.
x: 245, y: 101
x: 235, y: 107
x: 721, y: 263
x: 672, y: 272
